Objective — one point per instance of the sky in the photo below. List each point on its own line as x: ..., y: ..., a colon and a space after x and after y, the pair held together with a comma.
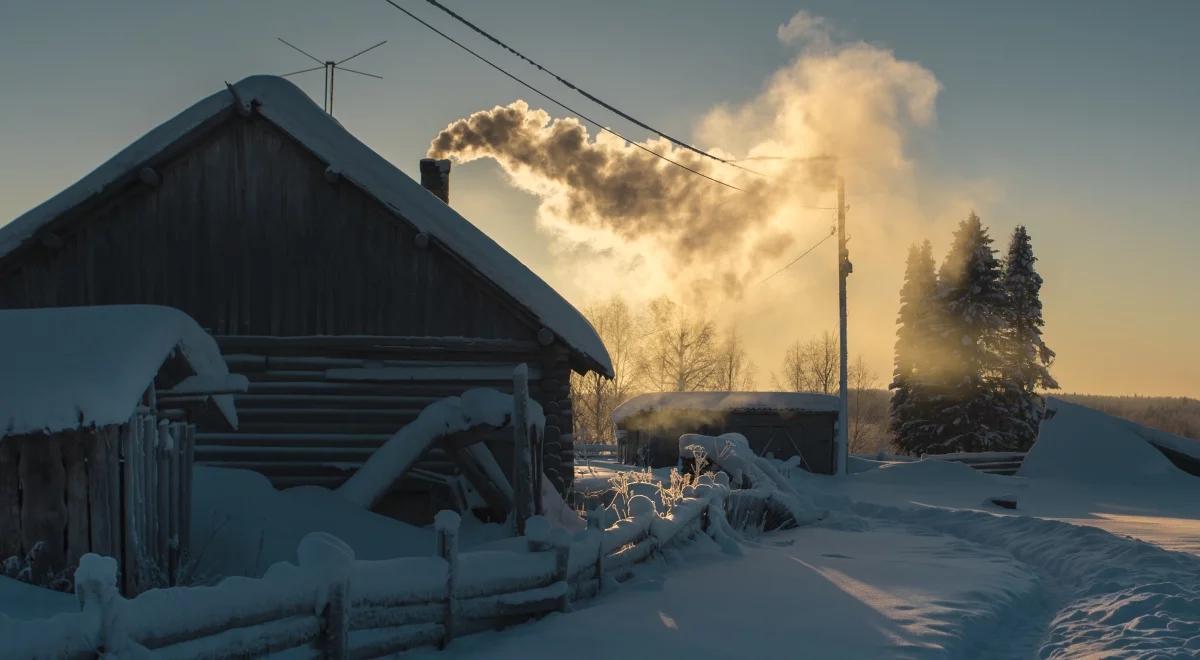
x: 1075, y: 119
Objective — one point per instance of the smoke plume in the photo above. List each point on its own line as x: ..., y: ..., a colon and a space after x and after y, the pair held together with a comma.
x: 630, y: 222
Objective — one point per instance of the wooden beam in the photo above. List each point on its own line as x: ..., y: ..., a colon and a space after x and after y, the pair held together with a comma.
x: 498, y: 503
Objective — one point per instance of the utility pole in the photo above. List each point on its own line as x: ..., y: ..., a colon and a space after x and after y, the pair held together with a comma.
x: 844, y: 269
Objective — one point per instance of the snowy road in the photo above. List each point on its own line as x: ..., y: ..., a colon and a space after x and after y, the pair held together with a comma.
x: 887, y: 591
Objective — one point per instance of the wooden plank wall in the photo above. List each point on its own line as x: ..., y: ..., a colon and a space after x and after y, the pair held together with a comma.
x: 246, y: 235
x: 119, y: 491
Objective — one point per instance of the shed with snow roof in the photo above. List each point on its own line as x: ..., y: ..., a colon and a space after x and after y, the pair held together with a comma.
x: 782, y: 424
x: 98, y: 411
x: 350, y: 295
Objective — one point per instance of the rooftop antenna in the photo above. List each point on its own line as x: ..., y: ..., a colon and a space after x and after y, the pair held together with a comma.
x: 330, y: 67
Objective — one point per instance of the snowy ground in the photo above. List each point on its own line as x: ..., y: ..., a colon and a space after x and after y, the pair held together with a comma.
x: 885, y: 592
x: 1101, y: 558
x: 241, y: 525
x: 915, y: 561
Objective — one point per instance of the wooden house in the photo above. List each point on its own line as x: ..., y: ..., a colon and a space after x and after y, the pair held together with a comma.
x: 350, y: 295
x: 782, y: 424
x: 98, y: 413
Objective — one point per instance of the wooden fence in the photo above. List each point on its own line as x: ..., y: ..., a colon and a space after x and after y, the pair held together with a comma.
x: 596, y: 450
x: 156, y: 475
x: 122, y: 490
x: 332, y: 606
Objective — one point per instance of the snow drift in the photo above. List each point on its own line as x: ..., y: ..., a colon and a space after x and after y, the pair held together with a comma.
x: 1085, y: 445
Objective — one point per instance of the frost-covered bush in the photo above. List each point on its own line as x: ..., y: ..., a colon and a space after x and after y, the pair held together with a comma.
x: 641, y: 483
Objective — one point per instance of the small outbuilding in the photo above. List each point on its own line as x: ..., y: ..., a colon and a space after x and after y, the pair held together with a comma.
x: 781, y: 424
x: 98, y: 415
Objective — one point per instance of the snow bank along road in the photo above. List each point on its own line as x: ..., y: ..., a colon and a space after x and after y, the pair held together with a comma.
x: 878, y: 581
x: 1122, y: 597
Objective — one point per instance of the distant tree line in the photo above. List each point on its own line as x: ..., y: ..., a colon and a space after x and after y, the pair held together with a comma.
x: 659, y: 347
x: 970, y: 360
x: 665, y: 347
x: 1173, y: 414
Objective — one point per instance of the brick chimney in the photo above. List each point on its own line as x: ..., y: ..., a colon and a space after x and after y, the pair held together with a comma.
x: 435, y: 177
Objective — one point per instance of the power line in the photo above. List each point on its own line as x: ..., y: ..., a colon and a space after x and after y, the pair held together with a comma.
x: 802, y: 255
x: 586, y: 94
x: 560, y: 104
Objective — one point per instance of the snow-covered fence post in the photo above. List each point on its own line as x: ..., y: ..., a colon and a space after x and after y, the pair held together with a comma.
x: 562, y: 565
x: 328, y: 560
x: 595, y: 523
x: 99, y: 599
x: 522, y: 470
x: 446, y: 523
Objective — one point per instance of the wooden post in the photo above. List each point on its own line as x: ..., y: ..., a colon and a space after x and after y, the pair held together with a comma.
x: 522, y: 470
x: 75, y: 446
x: 96, y: 589
x: 336, y: 621
x: 595, y: 523
x: 128, y: 504
x: 330, y: 559
x: 446, y: 524
x: 187, y: 459
x: 10, y: 498
x: 162, y: 501
x: 97, y: 493
x: 562, y: 565
x: 178, y: 430
x: 536, y: 446
x: 43, y: 505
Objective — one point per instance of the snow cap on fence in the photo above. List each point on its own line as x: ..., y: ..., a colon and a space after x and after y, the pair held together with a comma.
x: 446, y: 521
x: 95, y: 568
x: 321, y: 549
x: 641, y: 505
x: 326, y: 559
x: 538, y: 529
x: 94, y: 574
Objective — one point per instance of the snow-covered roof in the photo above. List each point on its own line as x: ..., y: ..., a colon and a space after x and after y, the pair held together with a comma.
x: 726, y: 402
x: 286, y: 106
x: 70, y: 367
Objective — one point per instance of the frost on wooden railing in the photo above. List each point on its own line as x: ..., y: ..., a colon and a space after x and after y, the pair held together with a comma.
x: 333, y: 606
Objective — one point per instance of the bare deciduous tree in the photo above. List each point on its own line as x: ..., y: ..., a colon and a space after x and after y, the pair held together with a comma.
x: 681, y: 350
x: 867, y: 408
x: 594, y: 396
x: 810, y: 366
x: 735, y: 371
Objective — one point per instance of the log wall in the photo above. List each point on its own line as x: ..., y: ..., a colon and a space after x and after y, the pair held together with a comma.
x: 305, y: 421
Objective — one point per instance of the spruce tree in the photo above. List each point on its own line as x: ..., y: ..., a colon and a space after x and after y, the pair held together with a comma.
x: 910, y: 418
x: 969, y: 411
x: 1026, y: 357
